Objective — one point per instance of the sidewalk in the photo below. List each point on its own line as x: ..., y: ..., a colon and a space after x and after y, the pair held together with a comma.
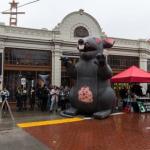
x: 14, y: 138
x: 17, y: 139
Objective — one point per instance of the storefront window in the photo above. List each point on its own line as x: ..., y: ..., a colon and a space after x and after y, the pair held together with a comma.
x: 28, y: 64
x: 81, y: 32
x: 27, y: 57
x: 12, y: 80
x: 122, y: 62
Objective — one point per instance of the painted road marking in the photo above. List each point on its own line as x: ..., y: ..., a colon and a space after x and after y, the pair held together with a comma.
x: 58, y: 121
x: 49, y: 122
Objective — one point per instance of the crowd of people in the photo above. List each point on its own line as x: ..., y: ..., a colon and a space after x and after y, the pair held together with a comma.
x: 54, y: 98
x: 129, y: 96
x: 44, y: 98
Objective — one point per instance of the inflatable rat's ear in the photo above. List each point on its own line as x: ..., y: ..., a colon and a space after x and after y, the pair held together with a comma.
x: 108, y: 42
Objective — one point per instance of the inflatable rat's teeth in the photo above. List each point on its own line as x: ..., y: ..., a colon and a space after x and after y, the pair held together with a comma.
x: 81, y: 47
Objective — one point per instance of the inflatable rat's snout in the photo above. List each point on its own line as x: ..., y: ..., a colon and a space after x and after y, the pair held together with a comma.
x: 81, y: 44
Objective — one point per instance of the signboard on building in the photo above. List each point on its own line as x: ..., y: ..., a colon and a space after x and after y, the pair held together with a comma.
x: 144, y: 106
x: 147, y: 106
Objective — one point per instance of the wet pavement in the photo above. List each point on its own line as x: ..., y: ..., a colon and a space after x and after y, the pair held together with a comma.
x: 119, y: 132
x: 130, y: 131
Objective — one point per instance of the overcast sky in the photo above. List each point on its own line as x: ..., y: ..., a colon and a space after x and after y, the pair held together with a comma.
x: 118, y: 18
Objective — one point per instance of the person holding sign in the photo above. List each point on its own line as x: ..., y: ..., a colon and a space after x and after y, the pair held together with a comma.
x: 4, y: 94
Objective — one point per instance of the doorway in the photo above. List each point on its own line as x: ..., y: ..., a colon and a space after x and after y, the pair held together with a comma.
x: 14, y: 79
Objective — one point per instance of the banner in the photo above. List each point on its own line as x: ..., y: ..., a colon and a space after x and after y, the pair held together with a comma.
x: 144, y: 106
x: 23, y: 81
x: 43, y: 79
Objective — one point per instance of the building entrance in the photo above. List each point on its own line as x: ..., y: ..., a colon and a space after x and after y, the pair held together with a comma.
x: 14, y: 79
x: 23, y: 66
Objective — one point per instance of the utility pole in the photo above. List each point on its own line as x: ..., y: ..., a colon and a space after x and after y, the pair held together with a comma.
x: 13, y: 13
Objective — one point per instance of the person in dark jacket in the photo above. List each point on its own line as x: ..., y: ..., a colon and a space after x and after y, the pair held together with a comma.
x: 18, y: 99
x: 32, y: 98
x: 44, y: 98
x: 24, y: 98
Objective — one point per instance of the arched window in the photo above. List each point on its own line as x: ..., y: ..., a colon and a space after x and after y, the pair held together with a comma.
x: 81, y: 32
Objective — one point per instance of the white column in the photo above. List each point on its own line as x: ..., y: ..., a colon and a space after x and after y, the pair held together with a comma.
x: 56, y: 66
x: 143, y: 62
x: 143, y: 65
x: 2, y: 68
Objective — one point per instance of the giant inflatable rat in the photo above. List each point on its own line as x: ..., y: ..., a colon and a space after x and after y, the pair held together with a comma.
x: 92, y: 93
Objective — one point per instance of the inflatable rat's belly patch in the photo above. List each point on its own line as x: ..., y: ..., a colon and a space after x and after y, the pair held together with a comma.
x: 85, y: 94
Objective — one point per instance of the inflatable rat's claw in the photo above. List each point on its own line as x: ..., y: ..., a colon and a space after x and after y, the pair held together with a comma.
x: 64, y: 58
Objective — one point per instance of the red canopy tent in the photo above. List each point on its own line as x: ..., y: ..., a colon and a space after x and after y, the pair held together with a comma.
x: 132, y: 74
